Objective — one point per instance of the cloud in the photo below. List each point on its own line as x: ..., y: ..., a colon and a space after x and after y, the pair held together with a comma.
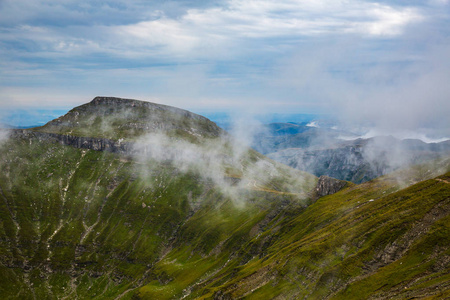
x: 226, y: 162
x: 110, y: 28
x: 395, y: 85
x: 439, y: 2
x: 4, y: 135
x: 383, y: 62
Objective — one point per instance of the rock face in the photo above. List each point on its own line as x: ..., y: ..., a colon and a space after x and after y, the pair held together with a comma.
x: 325, y: 151
x: 328, y: 186
x: 346, y: 163
x: 97, y: 144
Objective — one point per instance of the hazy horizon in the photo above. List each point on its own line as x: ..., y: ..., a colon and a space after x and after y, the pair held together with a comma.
x: 228, y: 120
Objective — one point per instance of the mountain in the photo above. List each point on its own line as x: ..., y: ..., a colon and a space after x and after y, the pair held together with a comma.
x: 94, y: 201
x: 322, y: 151
x: 274, y: 137
x: 94, y: 206
x: 117, y: 118
x: 362, y: 160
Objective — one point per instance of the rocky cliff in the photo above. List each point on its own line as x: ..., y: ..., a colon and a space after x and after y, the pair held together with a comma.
x: 328, y: 186
x: 362, y: 160
x: 97, y: 144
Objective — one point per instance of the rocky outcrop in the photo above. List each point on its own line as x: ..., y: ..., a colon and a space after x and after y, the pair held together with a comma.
x: 328, y: 186
x: 97, y: 144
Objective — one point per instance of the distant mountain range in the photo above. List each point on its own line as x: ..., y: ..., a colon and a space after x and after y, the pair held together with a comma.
x: 339, y: 154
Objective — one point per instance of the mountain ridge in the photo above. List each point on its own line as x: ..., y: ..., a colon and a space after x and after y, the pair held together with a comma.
x: 323, y: 152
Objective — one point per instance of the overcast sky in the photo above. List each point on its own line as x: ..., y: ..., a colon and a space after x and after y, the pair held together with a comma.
x: 387, y: 62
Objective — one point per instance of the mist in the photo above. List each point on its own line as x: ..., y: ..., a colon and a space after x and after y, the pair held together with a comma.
x: 4, y: 135
x: 225, y: 161
x: 370, y: 64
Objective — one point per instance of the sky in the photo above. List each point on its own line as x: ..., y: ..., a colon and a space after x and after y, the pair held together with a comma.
x: 384, y: 63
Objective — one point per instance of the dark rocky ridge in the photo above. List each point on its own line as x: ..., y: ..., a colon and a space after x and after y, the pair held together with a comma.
x: 97, y: 144
x: 90, y: 143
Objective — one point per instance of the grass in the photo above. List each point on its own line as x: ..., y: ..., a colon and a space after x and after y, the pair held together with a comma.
x: 327, y: 250
x: 103, y: 225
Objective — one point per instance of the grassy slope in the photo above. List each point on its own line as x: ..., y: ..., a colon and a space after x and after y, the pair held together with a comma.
x: 95, y: 225
x: 365, y: 241
x: 85, y: 221
x: 81, y: 229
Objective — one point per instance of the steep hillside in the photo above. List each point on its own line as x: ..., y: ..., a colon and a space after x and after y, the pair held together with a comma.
x: 77, y: 222
x: 370, y: 241
x: 176, y: 217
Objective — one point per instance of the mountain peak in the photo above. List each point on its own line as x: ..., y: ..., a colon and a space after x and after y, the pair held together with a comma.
x: 102, y: 100
x: 116, y: 102
x: 121, y: 118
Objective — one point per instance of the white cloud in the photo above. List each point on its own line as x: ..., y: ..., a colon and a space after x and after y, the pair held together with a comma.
x: 201, y: 30
x: 313, y: 124
x: 379, y: 61
x: 259, y: 19
x: 388, y: 21
x: 150, y: 34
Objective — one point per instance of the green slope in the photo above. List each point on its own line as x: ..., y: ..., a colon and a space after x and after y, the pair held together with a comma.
x: 90, y: 224
x: 203, y: 218
x: 363, y: 242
